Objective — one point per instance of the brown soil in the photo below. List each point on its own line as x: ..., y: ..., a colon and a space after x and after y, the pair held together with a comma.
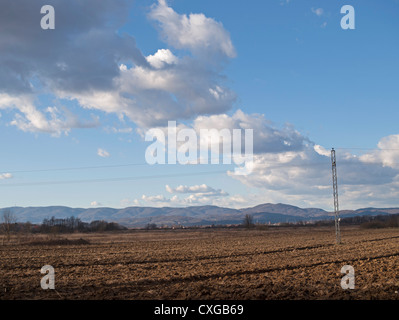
x: 278, y: 263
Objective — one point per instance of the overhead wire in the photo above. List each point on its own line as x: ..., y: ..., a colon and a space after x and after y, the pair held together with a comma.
x: 111, y: 179
x: 144, y: 163
x: 132, y: 178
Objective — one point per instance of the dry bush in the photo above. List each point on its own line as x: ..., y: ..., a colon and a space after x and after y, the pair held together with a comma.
x: 59, y: 242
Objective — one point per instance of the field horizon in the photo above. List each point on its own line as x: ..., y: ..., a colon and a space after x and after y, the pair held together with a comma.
x: 209, y: 264
x: 189, y: 216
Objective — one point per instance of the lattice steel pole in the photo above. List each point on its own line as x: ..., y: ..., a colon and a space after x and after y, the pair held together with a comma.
x: 335, y: 192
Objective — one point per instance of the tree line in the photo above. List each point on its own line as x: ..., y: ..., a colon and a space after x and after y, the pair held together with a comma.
x: 74, y: 224
x: 9, y: 225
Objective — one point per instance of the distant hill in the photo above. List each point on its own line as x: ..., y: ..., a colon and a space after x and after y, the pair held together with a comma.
x: 190, y: 216
x: 285, y: 209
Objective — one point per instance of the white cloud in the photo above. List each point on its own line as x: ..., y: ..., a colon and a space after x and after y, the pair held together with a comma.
x: 267, y: 136
x: 236, y: 201
x: 110, y: 129
x: 201, y: 35
x: 319, y: 11
x: 52, y: 120
x: 161, y: 58
x: 387, y: 152
x: 200, y: 190
x: 165, y: 86
x: 304, y: 177
x: 103, y: 153
x: 152, y: 90
x: 321, y: 150
x: 95, y: 204
x: 197, y: 195
x: 128, y: 203
x: 29, y: 118
x: 183, y: 82
x: 157, y: 199
x: 4, y: 176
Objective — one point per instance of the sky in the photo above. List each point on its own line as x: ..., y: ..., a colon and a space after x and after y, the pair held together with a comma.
x: 77, y: 101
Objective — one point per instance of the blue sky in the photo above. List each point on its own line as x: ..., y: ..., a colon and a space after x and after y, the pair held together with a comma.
x: 76, y: 101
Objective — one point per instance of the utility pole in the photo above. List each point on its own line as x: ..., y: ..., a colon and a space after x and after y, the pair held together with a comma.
x: 335, y: 192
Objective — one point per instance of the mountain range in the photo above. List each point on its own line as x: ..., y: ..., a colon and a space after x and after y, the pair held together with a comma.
x: 137, y: 217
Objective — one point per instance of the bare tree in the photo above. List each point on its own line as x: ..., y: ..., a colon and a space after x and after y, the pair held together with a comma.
x: 9, y: 220
x: 248, y: 221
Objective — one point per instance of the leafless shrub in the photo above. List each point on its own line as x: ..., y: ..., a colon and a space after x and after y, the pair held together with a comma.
x: 8, y: 222
x: 59, y: 242
x: 248, y: 221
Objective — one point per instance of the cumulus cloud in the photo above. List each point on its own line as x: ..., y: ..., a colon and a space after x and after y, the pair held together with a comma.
x: 103, y: 153
x: 284, y: 2
x: 267, y: 136
x: 304, y: 177
x: 387, y: 152
x: 127, y: 202
x: 176, y: 201
x: 201, y: 190
x: 201, y: 35
x: 4, y: 176
x: 152, y: 96
x: 186, y: 196
x: 157, y: 198
x: 87, y: 61
x: 213, y: 131
x: 86, y: 27
x: 53, y: 120
x: 34, y: 62
x: 110, y: 129
x: 236, y: 201
x: 95, y: 204
x: 150, y: 91
x: 318, y: 11
x: 162, y: 86
x: 162, y: 58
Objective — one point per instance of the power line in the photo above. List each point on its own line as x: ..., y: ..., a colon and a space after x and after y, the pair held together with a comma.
x: 120, y: 179
x: 77, y: 168
x: 133, y: 164
x: 370, y: 149
x: 110, y: 179
x: 274, y: 166
x: 144, y: 163
x: 95, y: 167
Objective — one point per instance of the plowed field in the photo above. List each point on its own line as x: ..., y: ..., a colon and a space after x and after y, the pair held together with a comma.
x: 277, y: 263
